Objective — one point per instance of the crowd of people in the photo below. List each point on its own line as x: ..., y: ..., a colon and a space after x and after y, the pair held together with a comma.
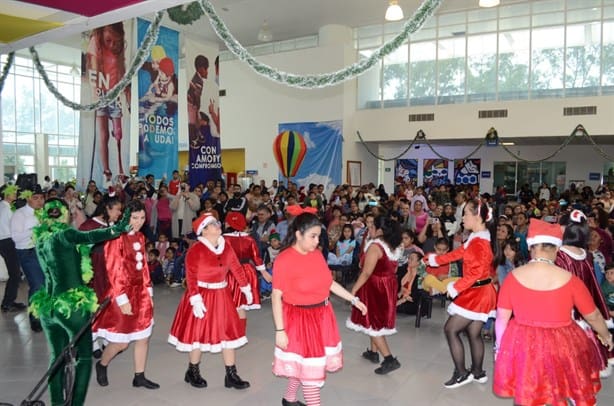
x: 231, y: 249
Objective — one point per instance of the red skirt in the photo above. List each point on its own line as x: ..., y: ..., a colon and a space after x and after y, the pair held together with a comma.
x: 219, y: 329
x: 477, y: 303
x: 538, y: 365
x: 314, y: 345
x: 237, y: 296
x: 379, y: 294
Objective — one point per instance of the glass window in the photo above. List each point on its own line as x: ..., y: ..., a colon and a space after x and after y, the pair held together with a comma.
x: 547, y: 62
x: 504, y: 173
x: 396, y: 76
x: 451, y: 70
x: 583, y: 59
x: 514, y: 56
x: 482, y: 67
x: 369, y: 88
x: 607, y: 78
x: 423, y: 73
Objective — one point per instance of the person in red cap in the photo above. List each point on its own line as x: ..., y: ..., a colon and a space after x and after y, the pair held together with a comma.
x: 206, y: 318
x: 247, y: 251
x: 542, y: 356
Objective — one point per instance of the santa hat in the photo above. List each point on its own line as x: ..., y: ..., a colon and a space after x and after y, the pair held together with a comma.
x: 236, y: 220
x: 543, y: 232
x: 203, y: 221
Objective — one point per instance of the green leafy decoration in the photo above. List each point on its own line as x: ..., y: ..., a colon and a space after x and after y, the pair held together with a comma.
x: 82, y: 299
x: 185, y: 14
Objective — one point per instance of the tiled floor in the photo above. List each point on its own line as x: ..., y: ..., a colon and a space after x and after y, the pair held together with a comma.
x: 422, y: 352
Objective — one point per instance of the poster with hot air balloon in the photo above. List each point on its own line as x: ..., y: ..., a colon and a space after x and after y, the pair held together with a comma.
x: 321, y: 161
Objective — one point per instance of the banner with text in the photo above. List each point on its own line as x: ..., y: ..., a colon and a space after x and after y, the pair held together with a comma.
x: 158, y: 140
x: 202, y: 73
x: 104, y: 141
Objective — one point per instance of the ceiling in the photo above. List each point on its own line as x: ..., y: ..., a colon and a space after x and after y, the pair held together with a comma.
x: 287, y: 18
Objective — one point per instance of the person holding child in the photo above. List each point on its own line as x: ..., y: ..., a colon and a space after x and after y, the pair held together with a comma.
x: 437, y: 278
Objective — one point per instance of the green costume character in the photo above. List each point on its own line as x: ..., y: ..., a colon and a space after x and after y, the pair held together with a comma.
x: 65, y: 304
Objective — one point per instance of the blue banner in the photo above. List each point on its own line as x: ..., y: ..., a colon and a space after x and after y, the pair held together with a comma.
x: 158, y: 144
x: 322, y: 164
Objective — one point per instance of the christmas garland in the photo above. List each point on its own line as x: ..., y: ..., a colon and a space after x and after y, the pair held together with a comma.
x: 6, y: 69
x: 141, y: 56
x: 185, y: 14
x: 426, y: 10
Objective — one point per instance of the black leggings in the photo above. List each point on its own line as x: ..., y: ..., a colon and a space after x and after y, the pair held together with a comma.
x: 453, y: 327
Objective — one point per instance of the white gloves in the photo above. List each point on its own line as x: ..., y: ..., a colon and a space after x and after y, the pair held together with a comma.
x: 247, y: 291
x: 198, y: 307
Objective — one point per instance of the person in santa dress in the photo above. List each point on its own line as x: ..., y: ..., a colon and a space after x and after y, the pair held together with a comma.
x: 377, y: 287
x: 129, y: 316
x: 542, y: 356
x: 575, y: 258
x: 474, y: 296
x: 247, y: 251
x: 307, y: 341
x: 206, y: 318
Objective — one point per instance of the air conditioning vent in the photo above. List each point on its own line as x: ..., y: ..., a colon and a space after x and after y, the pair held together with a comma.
x: 422, y: 117
x: 492, y: 113
x: 580, y: 111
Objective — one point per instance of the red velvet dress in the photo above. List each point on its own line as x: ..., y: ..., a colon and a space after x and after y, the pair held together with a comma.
x: 469, y: 301
x: 206, y: 269
x: 100, y: 281
x: 247, y: 251
x: 314, y: 344
x: 546, y: 358
x: 582, y: 267
x: 129, y: 281
x: 379, y: 294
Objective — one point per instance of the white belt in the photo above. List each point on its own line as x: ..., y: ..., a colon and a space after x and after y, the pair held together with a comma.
x: 215, y: 285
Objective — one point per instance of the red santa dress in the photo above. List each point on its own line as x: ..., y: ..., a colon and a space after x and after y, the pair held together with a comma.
x: 100, y: 281
x: 129, y: 282
x: 206, y: 269
x: 546, y: 358
x: 379, y: 294
x: 474, y: 296
x: 314, y: 344
x: 581, y: 265
x: 247, y: 251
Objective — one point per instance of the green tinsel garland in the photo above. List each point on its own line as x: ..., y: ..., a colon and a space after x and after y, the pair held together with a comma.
x: 82, y: 299
x: 185, y: 14
x: 6, y: 69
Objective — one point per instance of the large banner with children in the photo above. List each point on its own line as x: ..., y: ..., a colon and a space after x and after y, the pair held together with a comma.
x: 158, y: 141
x: 202, y: 73
x: 322, y: 163
x: 104, y: 141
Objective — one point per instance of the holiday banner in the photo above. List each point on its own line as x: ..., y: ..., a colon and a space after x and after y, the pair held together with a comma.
x: 157, y: 78
x: 104, y: 141
x: 435, y: 172
x: 466, y: 171
x: 406, y: 170
x: 322, y: 161
x: 202, y: 68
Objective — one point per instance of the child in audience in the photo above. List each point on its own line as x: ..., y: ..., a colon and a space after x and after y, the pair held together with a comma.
x: 408, y: 238
x: 344, y: 248
x: 408, y: 285
x: 511, y: 258
x: 436, y: 279
x: 162, y: 244
x: 266, y: 276
x: 155, y: 267
x: 168, y: 267
x: 607, y: 288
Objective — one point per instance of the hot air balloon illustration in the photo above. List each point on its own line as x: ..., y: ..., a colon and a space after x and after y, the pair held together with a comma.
x: 289, y: 148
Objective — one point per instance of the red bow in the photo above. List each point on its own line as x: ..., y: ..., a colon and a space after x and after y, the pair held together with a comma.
x: 297, y: 210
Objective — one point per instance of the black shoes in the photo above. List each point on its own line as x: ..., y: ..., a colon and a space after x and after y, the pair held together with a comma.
x: 35, y: 325
x: 459, y: 380
x: 480, y: 377
x: 285, y: 402
x: 372, y: 356
x: 233, y: 380
x: 388, y: 365
x: 140, y: 381
x: 193, y: 377
x: 14, y: 307
x: 101, y: 374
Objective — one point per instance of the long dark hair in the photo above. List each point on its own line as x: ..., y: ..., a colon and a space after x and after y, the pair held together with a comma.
x: 487, y: 216
x: 576, y: 234
x: 514, y: 244
x: 135, y: 205
x: 391, y: 231
x: 103, y: 207
x: 301, y: 223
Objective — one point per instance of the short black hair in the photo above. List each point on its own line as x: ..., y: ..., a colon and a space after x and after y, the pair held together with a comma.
x: 201, y: 61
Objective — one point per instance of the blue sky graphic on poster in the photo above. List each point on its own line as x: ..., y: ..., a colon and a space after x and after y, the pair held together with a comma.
x: 406, y: 170
x: 322, y: 162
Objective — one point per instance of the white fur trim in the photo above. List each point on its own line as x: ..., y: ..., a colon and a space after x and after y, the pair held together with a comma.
x: 485, y: 235
x: 609, y: 323
x: 136, y: 246
x: 213, y: 285
x: 452, y: 290
x: 250, y: 307
x: 453, y: 309
x: 150, y: 290
x: 369, y: 331
x: 114, y: 337
x: 544, y: 239
x: 216, y: 250
x: 392, y: 255
x: 573, y: 255
x: 237, y: 234
x: 208, y: 220
x: 218, y: 347
x: 260, y: 267
x: 246, y: 288
x: 122, y: 299
x: 197, y: 298
x: 432, y: 260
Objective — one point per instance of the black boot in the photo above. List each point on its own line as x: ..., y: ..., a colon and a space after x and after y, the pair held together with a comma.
x: 232, y: 380
x: 140, y: 381
x: 285, y: 402
x: 101, y: 374
x: 193, y: 377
